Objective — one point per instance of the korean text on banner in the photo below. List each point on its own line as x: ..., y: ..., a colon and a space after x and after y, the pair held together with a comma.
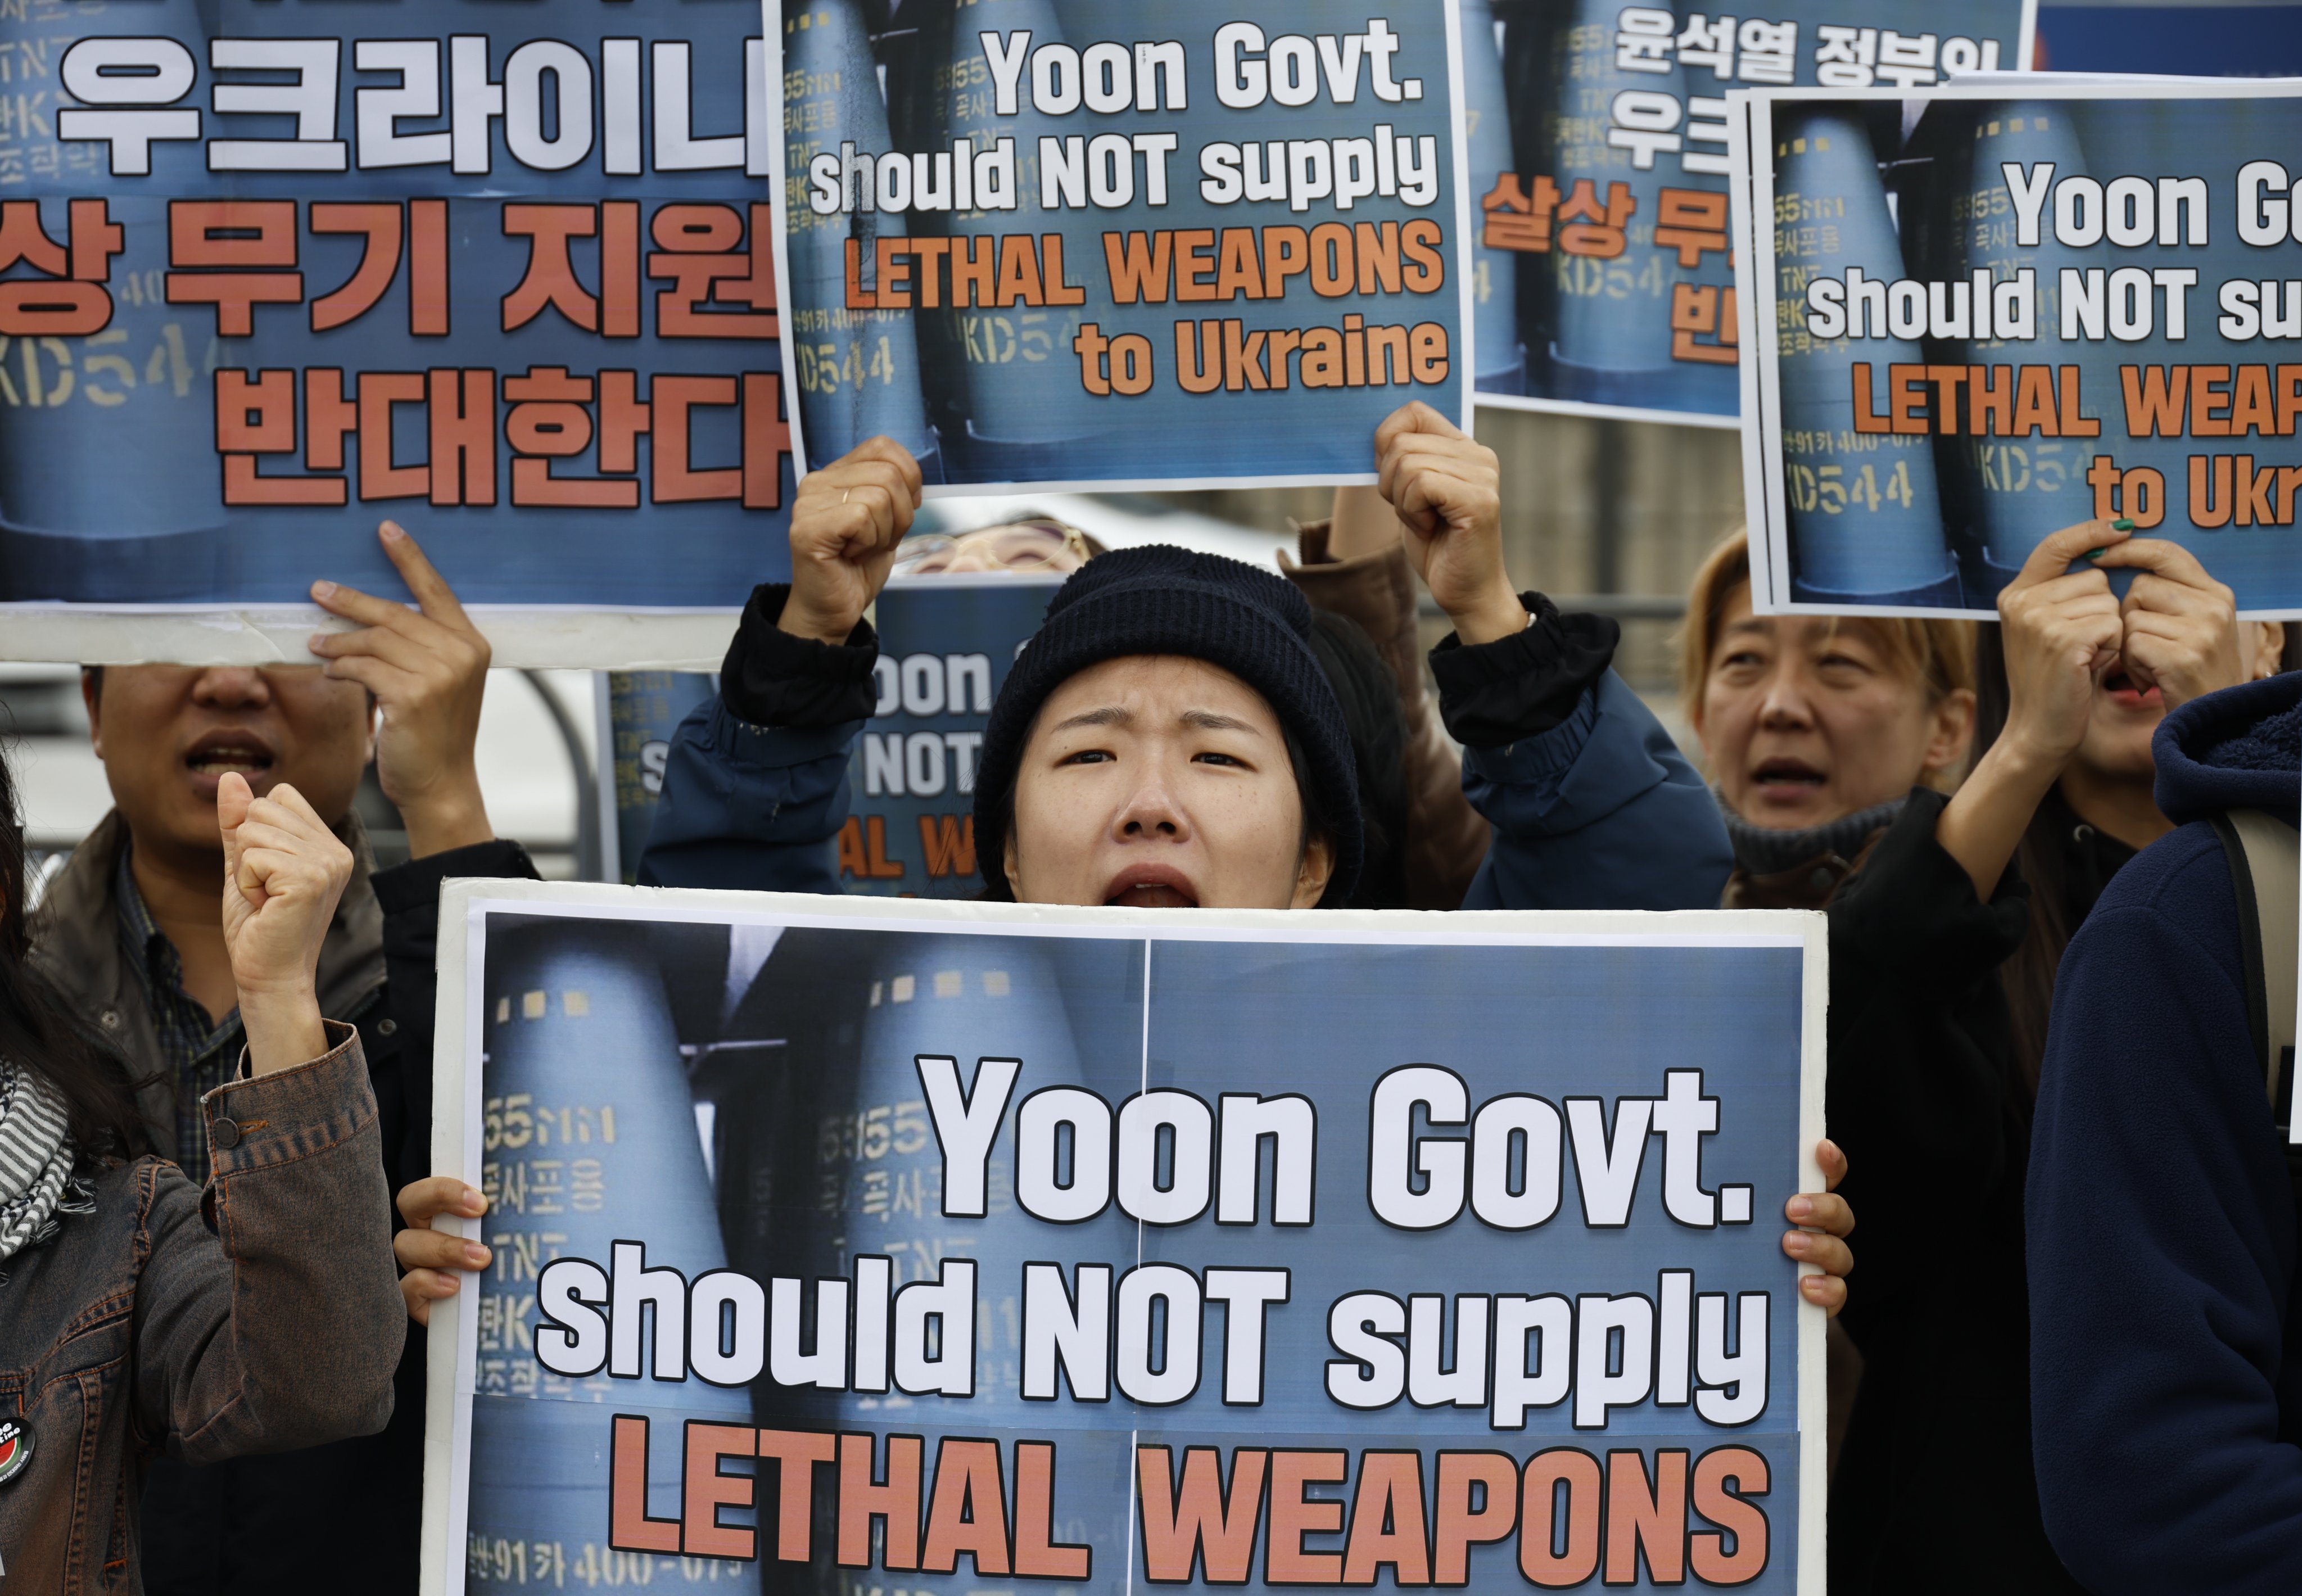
x: 1991, y: 314
x: 842, y: 1242
x: 1186, y: 244
x: 272, y: 269
x: 1597, y: 155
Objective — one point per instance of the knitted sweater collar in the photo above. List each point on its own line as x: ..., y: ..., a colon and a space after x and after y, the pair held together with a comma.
x: 1764, y: 852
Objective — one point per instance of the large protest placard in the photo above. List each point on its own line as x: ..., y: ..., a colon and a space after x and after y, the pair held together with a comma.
x: 1096, y: 244
x: 847, y: 1245
x: 273, y: 270
x: 1990, y: 313
x: 1598, y: 154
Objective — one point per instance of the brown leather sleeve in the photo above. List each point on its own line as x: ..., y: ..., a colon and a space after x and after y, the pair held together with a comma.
x: 1446, y: 837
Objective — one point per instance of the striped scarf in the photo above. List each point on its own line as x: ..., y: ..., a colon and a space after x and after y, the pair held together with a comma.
x: 36, y: 1160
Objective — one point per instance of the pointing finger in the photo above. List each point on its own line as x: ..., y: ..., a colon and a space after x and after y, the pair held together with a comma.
x: 367, y: 608
x: 431, y: 592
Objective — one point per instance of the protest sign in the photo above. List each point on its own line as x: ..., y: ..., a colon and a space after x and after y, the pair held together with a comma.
x: 1995, y: 317
x: 946, y: 642
x: 273, y: 270
x: 1598, y: 154
x: 638, y: 712
x: 1103, y: 245
x: 844, y: 1244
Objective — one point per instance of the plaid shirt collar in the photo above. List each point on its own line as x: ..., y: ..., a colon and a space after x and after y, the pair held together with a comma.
x: 199, y: 1054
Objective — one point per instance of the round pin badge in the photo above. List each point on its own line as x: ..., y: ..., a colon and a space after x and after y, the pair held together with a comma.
x: 15, y: 1448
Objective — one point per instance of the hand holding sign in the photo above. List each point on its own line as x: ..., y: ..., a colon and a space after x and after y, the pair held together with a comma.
x: 2062, y: 635
x: 428, y: 668
x: 1446, y: 487
x: 845, y: 526
x: 2182, y: 632
x: 1825, y: 1220
x: 431, y: 1260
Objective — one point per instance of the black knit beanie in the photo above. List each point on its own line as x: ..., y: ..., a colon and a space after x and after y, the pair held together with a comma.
x: 1166, y: 600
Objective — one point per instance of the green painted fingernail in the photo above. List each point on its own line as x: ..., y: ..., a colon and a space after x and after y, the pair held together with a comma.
x: 2121, y: 525
x: 2091, y: 554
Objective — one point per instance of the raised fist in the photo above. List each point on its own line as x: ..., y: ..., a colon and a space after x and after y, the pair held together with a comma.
x: 845, y: 526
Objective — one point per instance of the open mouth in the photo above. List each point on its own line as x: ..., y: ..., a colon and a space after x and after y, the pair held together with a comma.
x: 220, y: 751
x: 2127, y: 694
x: 1151, y: 887
x: 1787, y: 773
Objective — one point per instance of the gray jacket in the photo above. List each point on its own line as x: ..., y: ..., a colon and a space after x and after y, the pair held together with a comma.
x: 260, y: 1315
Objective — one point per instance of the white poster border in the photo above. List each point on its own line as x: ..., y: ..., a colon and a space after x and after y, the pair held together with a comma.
x: 521, y: 636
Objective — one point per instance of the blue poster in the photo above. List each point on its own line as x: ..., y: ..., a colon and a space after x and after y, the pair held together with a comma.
x: 2183, y: 40
x: 1994, y: 317
x: 1603, y: 271
x: 273, y: 270
x: 946, y: 644
x: 640, y: 711
x: 845, y: 1245
x: 1074, y: 241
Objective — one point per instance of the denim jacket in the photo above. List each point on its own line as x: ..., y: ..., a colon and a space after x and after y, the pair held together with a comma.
x: 258, y: 1314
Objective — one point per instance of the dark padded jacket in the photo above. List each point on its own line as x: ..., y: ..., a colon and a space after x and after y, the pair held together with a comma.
x: 1593, y: 805
x: 2166, y: 1345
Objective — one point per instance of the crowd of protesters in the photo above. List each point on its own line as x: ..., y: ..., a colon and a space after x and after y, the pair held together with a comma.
x: 2064, y: 1364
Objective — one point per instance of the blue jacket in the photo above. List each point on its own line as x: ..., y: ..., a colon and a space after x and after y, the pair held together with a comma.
x: 1602, y: 811
x: 1599, y: 810
x: 2166, y: 1357
x: 750, y: 808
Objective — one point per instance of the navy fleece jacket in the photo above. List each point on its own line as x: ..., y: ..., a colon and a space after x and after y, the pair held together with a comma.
x: 2165, y: 1354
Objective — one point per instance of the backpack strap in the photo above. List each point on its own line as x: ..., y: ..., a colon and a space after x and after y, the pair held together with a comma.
x: 2265, y: 855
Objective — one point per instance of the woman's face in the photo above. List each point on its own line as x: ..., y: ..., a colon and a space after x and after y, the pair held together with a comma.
x: 2125, y: 717
x: 1164, y: 783
x: 1025, y: 546
x: 1807, y: 718
x: 2119, y: 729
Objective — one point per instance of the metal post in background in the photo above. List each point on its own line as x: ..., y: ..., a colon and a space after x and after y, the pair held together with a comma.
x: 587, y: 785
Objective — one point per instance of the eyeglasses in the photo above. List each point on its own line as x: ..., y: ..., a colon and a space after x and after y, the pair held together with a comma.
x: 1035, y: 545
